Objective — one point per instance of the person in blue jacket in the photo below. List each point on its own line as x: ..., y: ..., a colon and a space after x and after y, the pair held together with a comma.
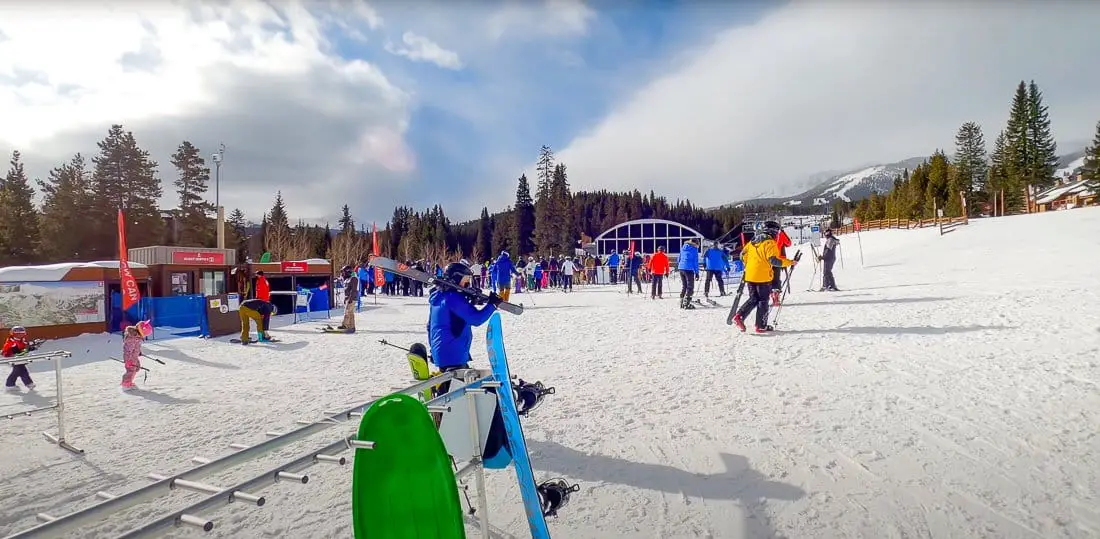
x: 688, y: 266
x: 450, y: 318
x: 717, y: 265
x: 503, y: 270
x: 613, y: 266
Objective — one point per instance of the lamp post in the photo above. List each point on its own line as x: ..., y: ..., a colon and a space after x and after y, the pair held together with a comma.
x: 218, y: 158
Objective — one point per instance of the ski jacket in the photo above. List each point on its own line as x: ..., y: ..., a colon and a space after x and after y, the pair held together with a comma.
x: 351, y: 289
x: 658, y: 265
x: 636, y: 262
x: 760, y: 257
x: 613, y: 260
x: 13, y: 345
x: 828, y: 251
x: 783, y: 241
x: 131, y: 350
x: 715, y: 260
x: 263, y: 288
x: 689, y: 258
x: 449, y: 322
x: 258, y: 305
x: 567, y: 267
x: 503, y: 270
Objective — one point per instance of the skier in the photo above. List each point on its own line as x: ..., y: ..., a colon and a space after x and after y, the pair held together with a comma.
x: 131, y: 355
x: 782, y: 240
x: 259, y: 311
x: 658, y: 267
x: 17, y: 344
x: 717, y: 265
x: 688, y: 265
x: 351, y: 296
x: 451, y: 316
x: 634, y: 267
x: 828, y: 256
x: 503, y: 270
x: 613, y: 266
x: 567, y: 270
x: 762, y: 258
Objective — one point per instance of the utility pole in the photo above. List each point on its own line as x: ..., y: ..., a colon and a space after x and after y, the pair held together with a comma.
x: 218, y: 158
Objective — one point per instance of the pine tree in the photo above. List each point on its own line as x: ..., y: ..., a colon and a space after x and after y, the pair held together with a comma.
x: 936, y: 191
x: 1044, y: 158
x: 1091, y: 170
x: 561, y: 211
x: 124, y: 178
x: 523, y: 228
x: 347, y: 224
x: 191, y: 185
x: 484, y: 242
x: 236, y: 233
x: 971, y: 170
x: 278, y: 237
x: 1018, y: 145
x: 545, y: 232
x: 63, y: 224
x: 18, y: 218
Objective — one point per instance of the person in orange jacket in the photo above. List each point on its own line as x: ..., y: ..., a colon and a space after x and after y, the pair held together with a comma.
x: 782, y: 241
x: 16, y: 344
x: 762, y: 261
x: 263, y: 288
x: 658, y: 268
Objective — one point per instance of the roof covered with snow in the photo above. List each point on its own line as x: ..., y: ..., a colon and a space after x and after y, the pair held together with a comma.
x: 1050, y: 195
x: 54, y: 272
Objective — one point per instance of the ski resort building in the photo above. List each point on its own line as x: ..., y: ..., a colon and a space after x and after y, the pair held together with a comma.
x: 646, y: 235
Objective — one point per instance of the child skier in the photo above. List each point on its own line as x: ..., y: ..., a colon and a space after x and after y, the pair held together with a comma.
x: 131, y: 356
x: 451, y: 316
x: 761, y: 258
x: 15, y: 345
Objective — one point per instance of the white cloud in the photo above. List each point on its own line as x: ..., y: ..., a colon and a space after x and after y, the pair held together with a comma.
x: 421, y: 49
x: 829, y: 85
x: 261, y: 79
x: 526, y: 20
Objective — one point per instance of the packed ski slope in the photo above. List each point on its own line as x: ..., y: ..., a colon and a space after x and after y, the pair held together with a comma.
x: 952, y: 389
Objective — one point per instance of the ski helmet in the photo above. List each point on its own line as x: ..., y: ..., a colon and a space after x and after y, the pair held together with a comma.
x: 456, y: 271
x: 772, y: 226
x: 18, y: 330
x: 345, y: 271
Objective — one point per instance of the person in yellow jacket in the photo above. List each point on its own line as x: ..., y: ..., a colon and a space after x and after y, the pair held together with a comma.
x: 761, y: 257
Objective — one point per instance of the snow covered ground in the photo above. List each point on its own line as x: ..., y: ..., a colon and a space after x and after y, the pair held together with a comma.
x: 950, y: 390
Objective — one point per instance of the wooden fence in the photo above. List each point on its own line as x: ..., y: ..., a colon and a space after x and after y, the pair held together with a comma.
x: 945, y: 224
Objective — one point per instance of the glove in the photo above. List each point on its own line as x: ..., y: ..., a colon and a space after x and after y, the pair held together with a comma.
x: 494, y: 299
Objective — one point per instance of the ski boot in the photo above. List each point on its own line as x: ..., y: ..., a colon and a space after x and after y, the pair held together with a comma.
x: 528, y: 395
x: 554, y: 494
x: 765, y: 329
x: 739, y: 322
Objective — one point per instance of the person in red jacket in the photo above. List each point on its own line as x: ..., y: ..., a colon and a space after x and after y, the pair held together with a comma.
x: 658, y: 268
x: 16, y: 344
x: 782, y: 240
x: 263, y: 288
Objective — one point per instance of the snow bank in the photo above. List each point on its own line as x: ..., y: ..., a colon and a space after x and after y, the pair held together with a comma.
x: 952, y: 389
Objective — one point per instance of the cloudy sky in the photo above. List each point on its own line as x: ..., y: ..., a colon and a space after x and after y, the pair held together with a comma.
x: 424, y: 102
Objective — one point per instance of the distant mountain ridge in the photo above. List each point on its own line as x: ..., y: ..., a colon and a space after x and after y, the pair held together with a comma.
x: 824, y: 188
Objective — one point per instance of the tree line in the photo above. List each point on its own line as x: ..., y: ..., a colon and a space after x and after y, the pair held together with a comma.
x: 1023, y: 162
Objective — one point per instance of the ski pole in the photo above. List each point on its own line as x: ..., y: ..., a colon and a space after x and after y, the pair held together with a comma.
x: 146, y: 379
x: 384, y: 342
x: 154, y: 359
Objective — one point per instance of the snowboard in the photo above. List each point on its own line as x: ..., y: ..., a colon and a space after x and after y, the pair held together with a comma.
x: 404, y: 486
x: 238, y: 341
x: 517, y: 445
x: 392, y: 266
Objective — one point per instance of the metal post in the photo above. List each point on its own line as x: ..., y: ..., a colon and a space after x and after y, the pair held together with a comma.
x: 59, y: 405
x: 475, y: 430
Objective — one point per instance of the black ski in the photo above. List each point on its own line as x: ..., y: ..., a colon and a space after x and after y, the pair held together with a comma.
x: 736, y: 300
x: 238, y: 341
x: 392, y: 266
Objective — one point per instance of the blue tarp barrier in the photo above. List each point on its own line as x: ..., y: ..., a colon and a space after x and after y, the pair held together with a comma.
x: 180, y: 316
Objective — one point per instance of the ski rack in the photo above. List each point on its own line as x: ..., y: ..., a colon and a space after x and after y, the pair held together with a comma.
x: 474, y: 380
x: 59, y: 401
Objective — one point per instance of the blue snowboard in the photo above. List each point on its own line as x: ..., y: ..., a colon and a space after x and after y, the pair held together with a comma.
x: 517, y: 445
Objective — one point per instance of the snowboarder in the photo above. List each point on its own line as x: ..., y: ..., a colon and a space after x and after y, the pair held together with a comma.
x: 131, y: 355
x: 259, y: 311
x: 828, y: 256
x: 17, y: 344
x: 688, y: 265
x: 717, y: 265
x: 658, y: 267
x: 762, y: 260
x: 351, y: 296
x: 451, y: 316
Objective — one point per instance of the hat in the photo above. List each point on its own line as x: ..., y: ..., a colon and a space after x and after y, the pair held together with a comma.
x: 145, y: 327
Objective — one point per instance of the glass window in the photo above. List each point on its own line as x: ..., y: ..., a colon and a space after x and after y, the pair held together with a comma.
x: 179, y: 284
x: 212, y: 283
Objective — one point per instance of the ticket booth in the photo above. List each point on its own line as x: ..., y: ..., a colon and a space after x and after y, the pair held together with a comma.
x: 182, y: 271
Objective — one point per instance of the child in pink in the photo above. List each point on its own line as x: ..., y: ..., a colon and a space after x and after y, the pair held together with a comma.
x: 131, y: 354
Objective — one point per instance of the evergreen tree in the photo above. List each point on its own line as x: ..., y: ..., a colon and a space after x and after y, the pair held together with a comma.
x: 279, y: 237
x: 124, y: 178
x: 63, y: 225
x: 971, y: 170
x: 561, y: 212
x: 237, y: 233
x: 936, y: 190
x: 347, y: 224
x: 524, y: 223
x: 545, y: 232
x: 194, y: 211
x: 1091, y: 170
x: 1043, y: 161
x: 1001, y: 180
x: 1018, y: 145
x: 484, y: 245
x: 18, y: 218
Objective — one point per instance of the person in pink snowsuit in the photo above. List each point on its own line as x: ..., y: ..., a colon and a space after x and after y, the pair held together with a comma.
x: 131, y: 356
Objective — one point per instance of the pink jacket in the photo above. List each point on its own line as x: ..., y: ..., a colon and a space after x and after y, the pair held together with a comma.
x: 131, y: 350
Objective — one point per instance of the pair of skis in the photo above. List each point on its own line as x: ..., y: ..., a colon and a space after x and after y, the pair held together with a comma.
x: 396, y: 268
x: 741, y: 289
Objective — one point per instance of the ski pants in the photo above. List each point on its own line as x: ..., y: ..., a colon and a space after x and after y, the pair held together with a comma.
x: 687, y: 282
x: 567, y: 282
x: 827, y: 281
x: 631, y: 280
x: 655, y: 289
x: 262, y: 320
x: 505, y: 292
x: 759, y: 296
x: 349, y: 316
x: 132, y: 368
x: 717, y: 276
x: 19, y: 372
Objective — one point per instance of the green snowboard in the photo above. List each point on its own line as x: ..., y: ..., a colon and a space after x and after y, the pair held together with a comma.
x: 405, y: 486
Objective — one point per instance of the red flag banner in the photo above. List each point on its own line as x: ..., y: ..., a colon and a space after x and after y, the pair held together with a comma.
x: 631, y: 248
x: 379, y: 278
x: 130, y: 293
